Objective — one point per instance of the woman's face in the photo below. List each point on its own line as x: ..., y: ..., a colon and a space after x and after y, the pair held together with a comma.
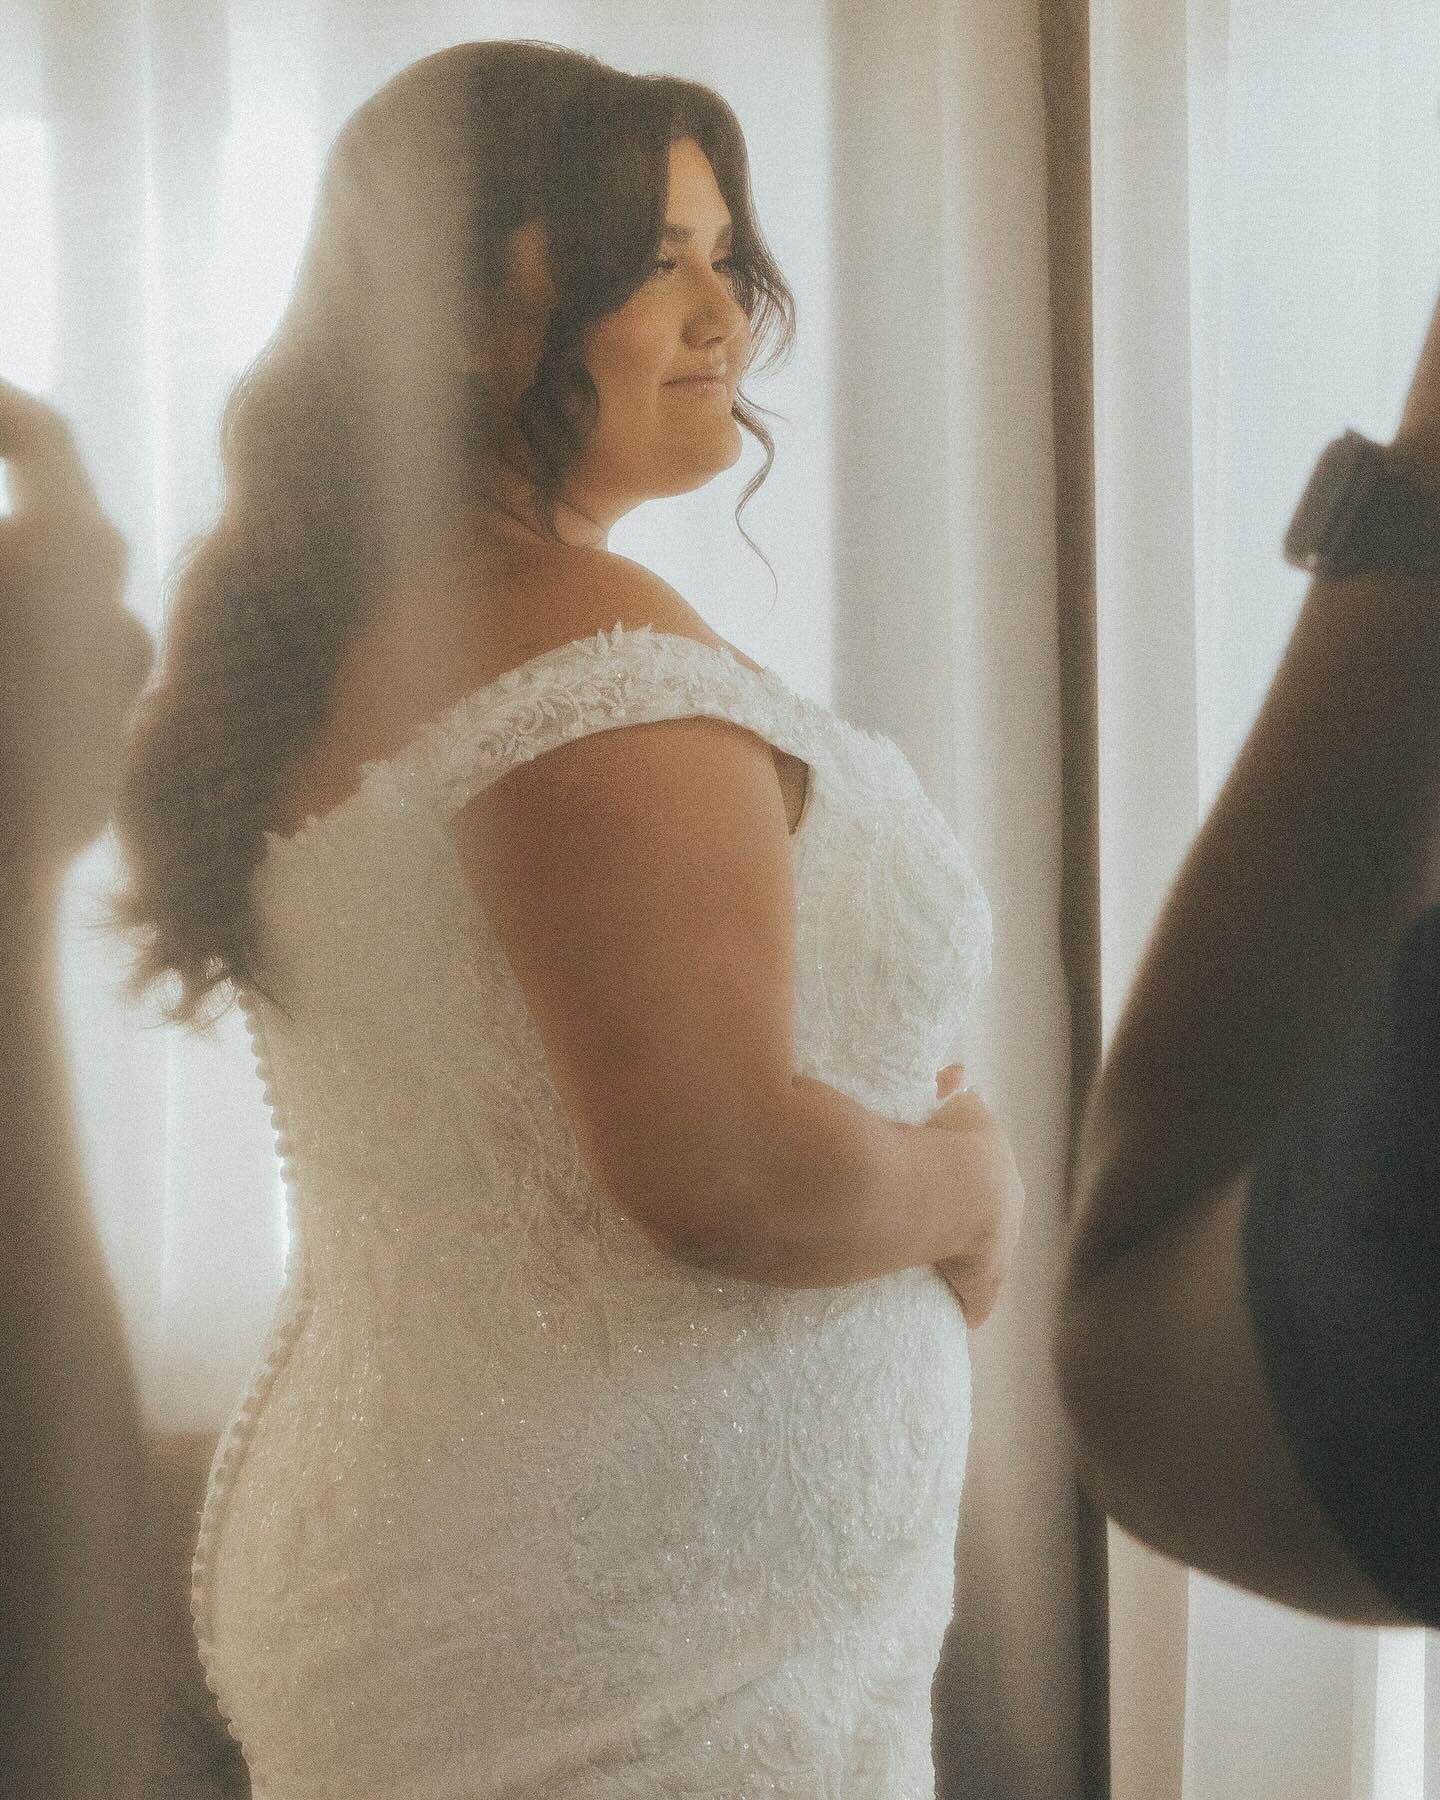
x: 658, y: 430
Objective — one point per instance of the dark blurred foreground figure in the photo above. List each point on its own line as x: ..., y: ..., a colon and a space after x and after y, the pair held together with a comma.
x: 75, y: 1596
x: 1249, y: 1340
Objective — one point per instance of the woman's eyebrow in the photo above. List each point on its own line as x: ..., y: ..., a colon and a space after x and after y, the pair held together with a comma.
x: 682, y: 234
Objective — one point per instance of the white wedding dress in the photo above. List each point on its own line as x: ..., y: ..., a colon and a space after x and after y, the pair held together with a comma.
x: 516, y: 1505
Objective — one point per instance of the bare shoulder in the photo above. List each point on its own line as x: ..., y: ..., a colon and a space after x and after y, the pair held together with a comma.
x: 558, y: 597
x: 447, y: 637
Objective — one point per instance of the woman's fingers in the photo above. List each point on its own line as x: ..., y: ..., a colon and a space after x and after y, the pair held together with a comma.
x: 45, y: 472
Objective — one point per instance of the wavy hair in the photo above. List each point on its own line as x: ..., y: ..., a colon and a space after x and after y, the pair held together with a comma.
x: 354, y: 435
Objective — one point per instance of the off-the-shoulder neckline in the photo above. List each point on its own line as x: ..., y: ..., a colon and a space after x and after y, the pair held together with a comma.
x: 435, y: 729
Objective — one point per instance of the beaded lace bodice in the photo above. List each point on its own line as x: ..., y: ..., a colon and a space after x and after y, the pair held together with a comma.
x: 516, y: 1504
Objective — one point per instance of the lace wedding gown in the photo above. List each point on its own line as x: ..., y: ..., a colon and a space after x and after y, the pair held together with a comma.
x: 517, y: 1505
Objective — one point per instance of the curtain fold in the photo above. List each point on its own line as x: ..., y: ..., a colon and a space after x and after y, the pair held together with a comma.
x: 1065, y: 43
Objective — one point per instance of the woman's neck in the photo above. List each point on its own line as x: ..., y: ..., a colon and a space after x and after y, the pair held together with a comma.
x: 507, y: 502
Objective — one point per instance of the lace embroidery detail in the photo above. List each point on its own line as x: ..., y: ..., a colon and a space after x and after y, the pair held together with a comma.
x: 515, y: 1504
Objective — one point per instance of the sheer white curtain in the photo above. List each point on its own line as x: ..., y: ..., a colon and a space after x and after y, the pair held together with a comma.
x: 1267, y: 249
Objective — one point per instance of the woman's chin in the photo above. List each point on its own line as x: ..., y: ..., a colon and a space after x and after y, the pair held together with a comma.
x: 695, y: 470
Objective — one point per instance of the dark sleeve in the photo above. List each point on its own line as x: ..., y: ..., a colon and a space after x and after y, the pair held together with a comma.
x: 1342, y: 1254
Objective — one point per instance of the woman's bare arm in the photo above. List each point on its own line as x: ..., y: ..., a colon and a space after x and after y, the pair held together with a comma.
x: 640, y: 882
x: 1319, y: 854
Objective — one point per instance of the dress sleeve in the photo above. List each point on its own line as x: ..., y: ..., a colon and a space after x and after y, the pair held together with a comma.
x: 622, y: 676
x: 1342, y: 1256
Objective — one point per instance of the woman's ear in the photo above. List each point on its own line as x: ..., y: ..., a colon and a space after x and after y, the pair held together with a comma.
x: 528, y: 279
x: 504, y: 348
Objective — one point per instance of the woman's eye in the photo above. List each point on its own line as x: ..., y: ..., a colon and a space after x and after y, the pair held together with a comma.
x: 666, y: 264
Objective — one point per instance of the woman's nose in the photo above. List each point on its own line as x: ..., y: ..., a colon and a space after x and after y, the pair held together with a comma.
x: 722, y: 316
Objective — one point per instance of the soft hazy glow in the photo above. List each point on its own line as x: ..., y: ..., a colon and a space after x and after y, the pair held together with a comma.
x: 27, y: 256
x: 271, y: 166
x: 27, y: 262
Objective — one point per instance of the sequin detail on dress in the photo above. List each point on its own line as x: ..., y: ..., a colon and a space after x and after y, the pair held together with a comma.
x: 515, y: 1504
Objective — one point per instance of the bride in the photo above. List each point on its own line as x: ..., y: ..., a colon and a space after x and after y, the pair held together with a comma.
x: 610, y: 1431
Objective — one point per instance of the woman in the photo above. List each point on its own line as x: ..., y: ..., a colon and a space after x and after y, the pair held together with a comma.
x: 611, y: 1431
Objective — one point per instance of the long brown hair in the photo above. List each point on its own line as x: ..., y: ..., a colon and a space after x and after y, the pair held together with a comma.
x: 354, y: 435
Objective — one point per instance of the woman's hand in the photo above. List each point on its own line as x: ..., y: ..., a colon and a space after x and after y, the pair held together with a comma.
x: 72, y: 658
x: 976, y: 1274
